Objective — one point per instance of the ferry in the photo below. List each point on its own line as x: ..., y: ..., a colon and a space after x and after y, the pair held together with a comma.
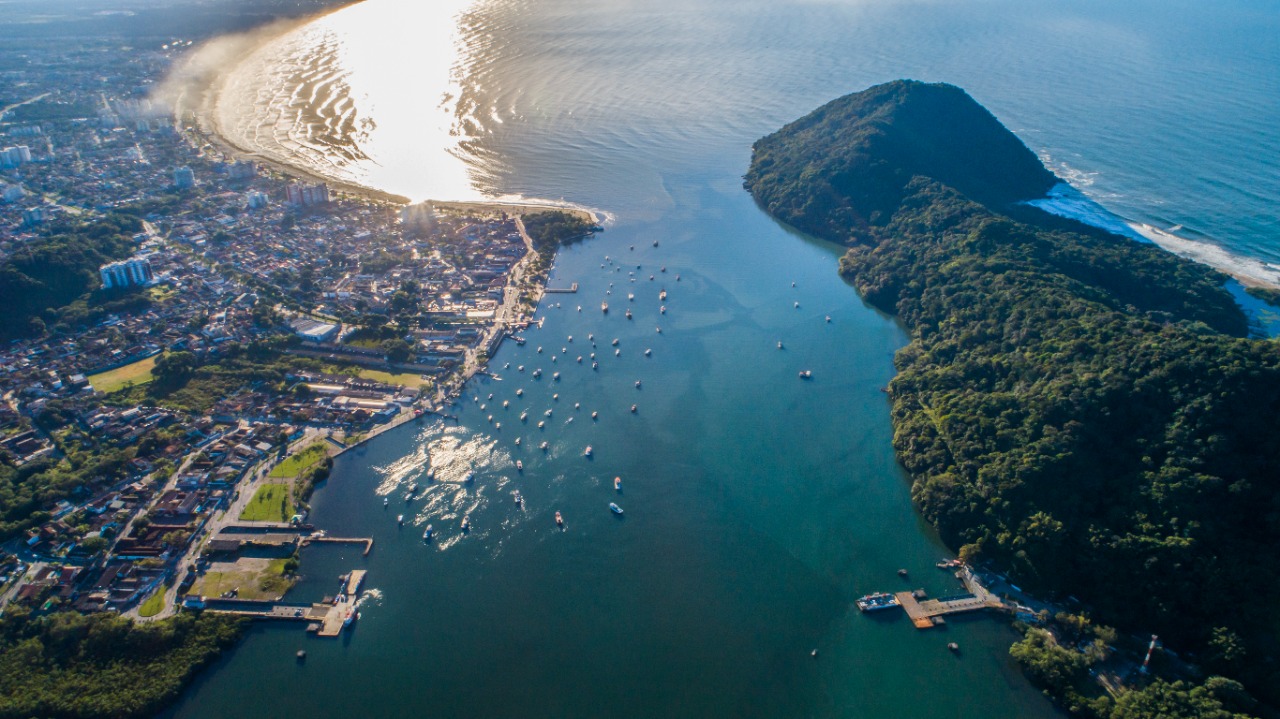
x: 604, y: 307
x: 559, y: 520
x: 876, y: 602
x: 587, y: 452
x: 806, y: 374
x: 615, y: 508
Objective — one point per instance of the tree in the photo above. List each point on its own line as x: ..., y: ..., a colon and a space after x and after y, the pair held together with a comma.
x: 397, y: 350
x: 1177, y: 700
x: 174, y: 368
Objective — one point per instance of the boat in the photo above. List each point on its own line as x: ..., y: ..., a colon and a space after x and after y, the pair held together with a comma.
x: 662, y: 296
x: 876, y: 602
x: 628, y: 314
x: 524, y: 416
x: 470, y: 477
x: 949, y: 564
x: 541, y: 424
x: 517, y: 441
x: 595, y: 365
x: 631, y: 297
x: 662, y: 309
x: 577, y: 405
x: 520, y: 368
x: 519, y: 465
x: 637, y: 384
x: 806, y: 374
x: 408, y: 496
x: 466, y: 523
x: 543, y: 446
x: 579, y: 359
x: 559, y: 520
x: 647, y: 352
x: 537, y: 372
x: 497, y: 425
x: 349, y: 618
x: 426, y: 533
x: 399, y: 519
x: 828, y: 318
x: 490, y: 397
x: 604, y: 307
x: 633, y: 409
x: 539, y: 349
x: 595, y: 415
x: 591, y: 336
x: 506, y: 403
x: 655, y: 243
x: 417, y: 412
x: 518, y: 340
x: 385, y: 501
x: 615, y: 508
x: 413, y: 488
x: 520, y: 392
x: 615, y: 341
x: 556, y: 376
x: 617, y: 484
x: 548, y: 413
x: 779, y: 344
x: 659, y: 330
x: 587, y: 452
x: 518, y: 499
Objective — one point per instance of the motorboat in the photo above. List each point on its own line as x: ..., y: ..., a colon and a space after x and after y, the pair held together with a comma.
x: 662, y: 296
x: 385, y: 501
x: 518, y: 499
x: 615, y: 342
x: 470, y: 477
x: 604, y: 307
x: 541, y: 424
x: 779, y: 344
x: 400, y: 519
x: 543, y: 446
x: 524, y: 416
x: 559, y: 520
x: 547, y: 413
x: 520, y: 392
x: 556, y: 376
x: 577, y: 405
x: 615, y: 508
x: 587, y: 452
x: 631, y: 297
x: 633, y: 409
x: 595, y: 415
x: 426, y: 533
x: 519, y: 466
x: 617, y: 484
x: 517, y: 441
x: 662, y: 310
x: 648, y: 352
x: 637, y: 384
x: 806, y: 374
x: 628, y: 315
x: 466, y: 523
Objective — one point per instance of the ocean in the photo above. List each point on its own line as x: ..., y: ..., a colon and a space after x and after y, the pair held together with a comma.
x: 758, y: 505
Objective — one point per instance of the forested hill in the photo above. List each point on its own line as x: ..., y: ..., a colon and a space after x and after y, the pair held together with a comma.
x: 1079, y: 407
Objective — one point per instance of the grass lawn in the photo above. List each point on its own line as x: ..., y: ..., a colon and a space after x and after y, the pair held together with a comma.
x: 271, y: 503
x: 406, y: 379
x: 138, y: 373
x: 154, y: 604
x: 295, y: 463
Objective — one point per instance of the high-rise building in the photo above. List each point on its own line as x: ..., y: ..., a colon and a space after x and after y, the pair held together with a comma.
x: 126, y: 273
x: 184, y: 178
x: 33, y: 216
x: 307, y: 195
x: 15, y: 156
x: 256, y: 199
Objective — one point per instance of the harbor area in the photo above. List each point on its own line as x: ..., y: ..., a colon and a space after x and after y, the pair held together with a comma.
x: 324, y: 619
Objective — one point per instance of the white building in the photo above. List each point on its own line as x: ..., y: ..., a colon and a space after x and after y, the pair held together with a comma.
x: 126, y: 273
x: 15, y: 156
x: 183, y: 178
x: 307, y: 195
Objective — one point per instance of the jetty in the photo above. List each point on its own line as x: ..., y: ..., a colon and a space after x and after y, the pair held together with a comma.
x: 366, y: 541
x: 571, y: 289
x: 926, y: 613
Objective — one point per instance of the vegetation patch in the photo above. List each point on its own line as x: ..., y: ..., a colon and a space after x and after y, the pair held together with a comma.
x: 154, y: 604
x: 407, y: 379
x: 299, y: 461
x: 271, y: 503
x: 136, y: 373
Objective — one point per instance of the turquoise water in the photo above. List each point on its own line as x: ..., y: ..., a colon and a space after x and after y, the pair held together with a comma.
x: 758, y: 506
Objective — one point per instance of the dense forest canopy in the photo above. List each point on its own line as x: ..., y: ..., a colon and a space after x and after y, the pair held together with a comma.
x: 1079, y: 407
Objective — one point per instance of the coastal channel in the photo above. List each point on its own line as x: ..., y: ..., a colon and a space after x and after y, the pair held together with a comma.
x: 758, y: 506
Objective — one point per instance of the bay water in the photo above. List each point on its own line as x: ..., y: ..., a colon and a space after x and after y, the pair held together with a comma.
x: 757, y: 505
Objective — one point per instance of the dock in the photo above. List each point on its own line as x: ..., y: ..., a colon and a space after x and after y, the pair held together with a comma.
x: 572, y: 289
x: 926, y: 613
x: 366, y: 541
x: 325, y: 619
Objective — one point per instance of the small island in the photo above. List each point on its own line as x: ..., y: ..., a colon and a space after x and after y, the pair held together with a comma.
x: 1079, y: 409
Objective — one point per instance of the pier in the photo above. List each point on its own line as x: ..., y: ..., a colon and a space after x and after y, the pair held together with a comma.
x: 572, y: 289
x: 366, y: 541
x: 926, y: 613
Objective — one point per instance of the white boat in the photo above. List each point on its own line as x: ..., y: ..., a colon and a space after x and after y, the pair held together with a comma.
x: 556, y: 376
x: 806, y: 374
x: 779, y: 344
x: 559, y: 520
x: 543, y: 446
x: 577, y: 405
x: 587, y: 452
x: 470, y: 477
x: 633, y: 409
x: 524, y: 416
x: 591, y: 336
x: 506, y: 403
x: 518, y: 499
x: 537, y: 372
x: 497, y: 425
x: 631, y: 297
x: 637, y: 384
x: 541, y: 424
x: 399, y: 519
x: 539, y: 349
x: 426, y: 533
x: 519, y: 466
x: 617, y: 484
x: 828, y: 318
x: 604, y: 307
x: 385, y: 501
x: 548, y: 413
x: 595, y: 415
x: 663, y: 309
x: 615, y: 508
x: 466, y: 523
x: 520, y: 368
x: 520, y: 392
x: 517, y: 441
x: 615, y: 341
x: 662, y: 296
x: 648, y: 352
x: 628, y: 314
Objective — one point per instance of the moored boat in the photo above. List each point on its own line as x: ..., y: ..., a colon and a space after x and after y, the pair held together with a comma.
x: 615, y: 508
x: 876, y: 602
x: 559, y: 520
